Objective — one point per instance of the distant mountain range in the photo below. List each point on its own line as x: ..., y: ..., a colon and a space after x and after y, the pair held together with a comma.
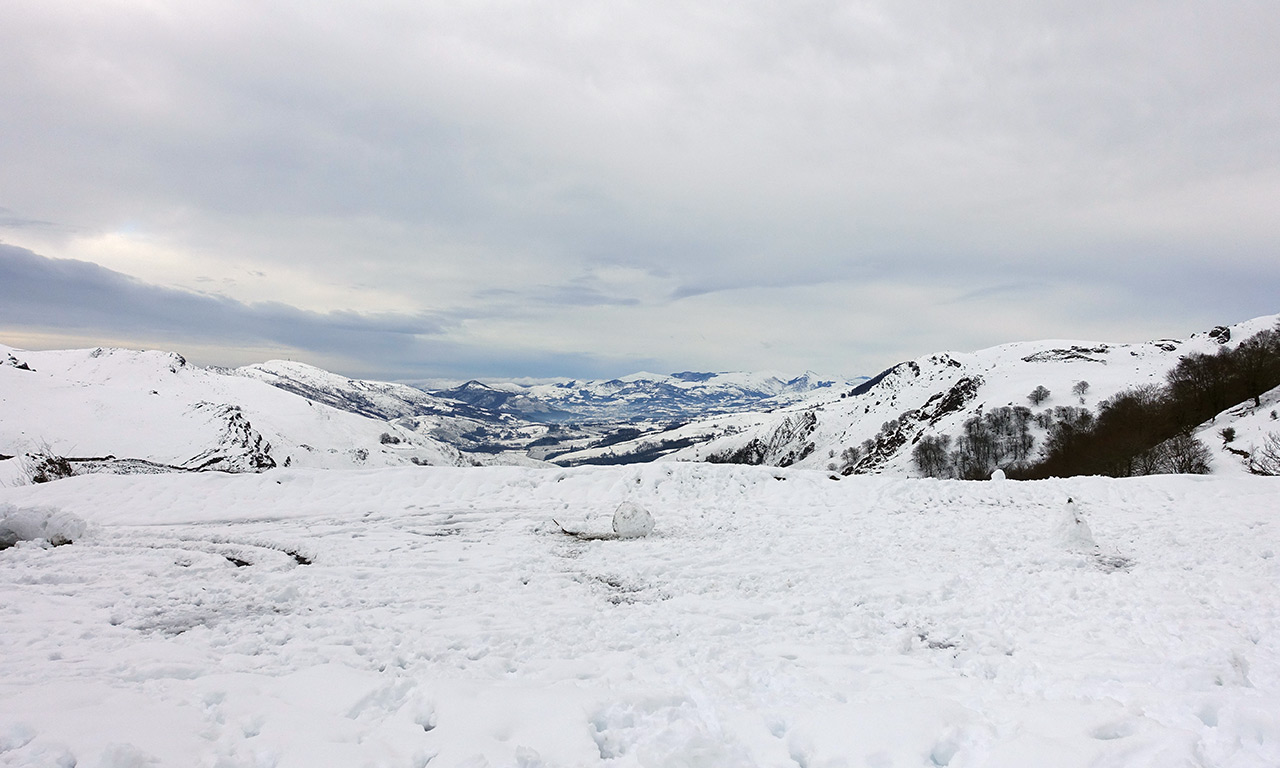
x: 126, y: 411
x: 129, y: 411
x: 642, y: 396
x: 872, y: 428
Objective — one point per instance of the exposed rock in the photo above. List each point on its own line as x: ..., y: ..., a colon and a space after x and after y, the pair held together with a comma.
x: 241, y: 448
x: 1073, y: 353
x: 788, y: 444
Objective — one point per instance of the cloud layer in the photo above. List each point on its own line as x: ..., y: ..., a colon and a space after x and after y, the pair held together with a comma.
x: 722, y: 185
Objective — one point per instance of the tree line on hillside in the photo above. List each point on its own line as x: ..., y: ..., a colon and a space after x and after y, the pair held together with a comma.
x: 1139, y: 431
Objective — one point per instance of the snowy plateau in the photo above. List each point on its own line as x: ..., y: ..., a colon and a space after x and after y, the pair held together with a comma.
x: 276, y: 567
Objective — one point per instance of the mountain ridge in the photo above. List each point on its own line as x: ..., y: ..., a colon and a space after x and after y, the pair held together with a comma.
x: 872, y: 427
x: 157, y: 411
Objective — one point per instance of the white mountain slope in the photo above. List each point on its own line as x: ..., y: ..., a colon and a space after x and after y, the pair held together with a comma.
x: 152, y: 408
x: 486, y: 435
x: 1249, y: 428
x: 932, y: 395
x: 375, y: 399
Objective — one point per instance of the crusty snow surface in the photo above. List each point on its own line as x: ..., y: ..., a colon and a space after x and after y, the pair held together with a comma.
x: 413, y: 616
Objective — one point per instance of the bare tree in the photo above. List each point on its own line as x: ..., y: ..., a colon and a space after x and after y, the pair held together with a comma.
x: 932, y: 455
x: 1266, y: 460
x: 1038, y: 395
x: 1258, y: 363
x: 1079, y: 390
x: 849, y: 458
x: 1181, y: 454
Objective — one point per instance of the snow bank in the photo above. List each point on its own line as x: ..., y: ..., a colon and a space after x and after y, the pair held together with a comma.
x: 38, y: 524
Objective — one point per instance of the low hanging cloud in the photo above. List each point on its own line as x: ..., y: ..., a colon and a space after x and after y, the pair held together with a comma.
x: 55, y: 296
x: 600, y: 186
x: 76, y: 295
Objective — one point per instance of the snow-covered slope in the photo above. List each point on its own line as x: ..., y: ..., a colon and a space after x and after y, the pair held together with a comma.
x: 1248, y: 428
x: 492, y: 436
x: 375, y: 399
x: 932, y: 395
x: 154, y: 408
x: 436, y: 617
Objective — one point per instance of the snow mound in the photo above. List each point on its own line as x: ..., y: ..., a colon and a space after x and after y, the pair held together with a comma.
x: 632, y: 521
x: 1072, y: 532
x: 38, y: 524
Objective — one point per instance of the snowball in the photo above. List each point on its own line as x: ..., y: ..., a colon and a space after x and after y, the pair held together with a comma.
x: 38, y: 523
x: 998, y: 474
x: 632, y: 521
x: 1072, y: 531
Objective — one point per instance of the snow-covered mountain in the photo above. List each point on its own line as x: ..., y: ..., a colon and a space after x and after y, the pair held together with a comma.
x: 469, y: 427
x: 646, y: 396
x: 124, y: 410
x: 509, y: 400
x: 871, y: 428
x: 121, y: 410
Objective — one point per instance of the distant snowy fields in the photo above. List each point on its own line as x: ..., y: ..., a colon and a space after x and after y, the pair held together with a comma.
x: 435, y: 615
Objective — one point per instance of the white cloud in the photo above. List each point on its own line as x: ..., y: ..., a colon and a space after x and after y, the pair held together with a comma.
x: 490, y: 161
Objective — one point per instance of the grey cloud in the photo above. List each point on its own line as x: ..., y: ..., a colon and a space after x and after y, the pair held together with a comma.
x: 12, y: 220
x: 1004, y: 289
x: 36, y: 292
x: 763, y: 146
x: 506, y: 301
x: 65, y: 295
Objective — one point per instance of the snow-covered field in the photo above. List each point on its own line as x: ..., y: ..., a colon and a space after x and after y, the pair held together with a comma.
x: 412, y: 616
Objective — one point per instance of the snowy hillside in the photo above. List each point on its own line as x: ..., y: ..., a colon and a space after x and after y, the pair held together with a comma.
x: 375, y: 399
x: 934, y: 395
x: 147, y: 411
x: 153, y: 411
x: 493, y: 437
x: 1248, y: 428
x: 436, y: 616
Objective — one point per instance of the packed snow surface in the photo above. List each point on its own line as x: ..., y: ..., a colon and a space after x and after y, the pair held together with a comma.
x: 411, y: 616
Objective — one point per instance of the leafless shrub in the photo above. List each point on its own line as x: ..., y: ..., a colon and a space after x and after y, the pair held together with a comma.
x: 46, y: 467
x: 1266, y: 459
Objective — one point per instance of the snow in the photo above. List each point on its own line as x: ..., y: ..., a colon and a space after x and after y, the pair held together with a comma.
x: 1002, y: 376
x: 41, y: 524
x: 1072, y: 532
x: 155, y: 407
x: 632, y: 521
x: 435, y: 615
x: 1252, y: 425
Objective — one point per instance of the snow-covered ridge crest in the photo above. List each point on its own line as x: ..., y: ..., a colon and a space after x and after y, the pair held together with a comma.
x: 126, y: 410
x: 872, y: 427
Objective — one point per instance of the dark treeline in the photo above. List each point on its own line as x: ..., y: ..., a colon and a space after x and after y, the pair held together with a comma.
x: 1148, y: 429
x: 1000, y: 437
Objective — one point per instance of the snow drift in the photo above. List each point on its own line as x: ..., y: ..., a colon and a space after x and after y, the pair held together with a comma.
x: 46, y: 524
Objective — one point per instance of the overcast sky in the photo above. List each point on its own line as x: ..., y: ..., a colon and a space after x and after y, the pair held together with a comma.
x: 403, y: 190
